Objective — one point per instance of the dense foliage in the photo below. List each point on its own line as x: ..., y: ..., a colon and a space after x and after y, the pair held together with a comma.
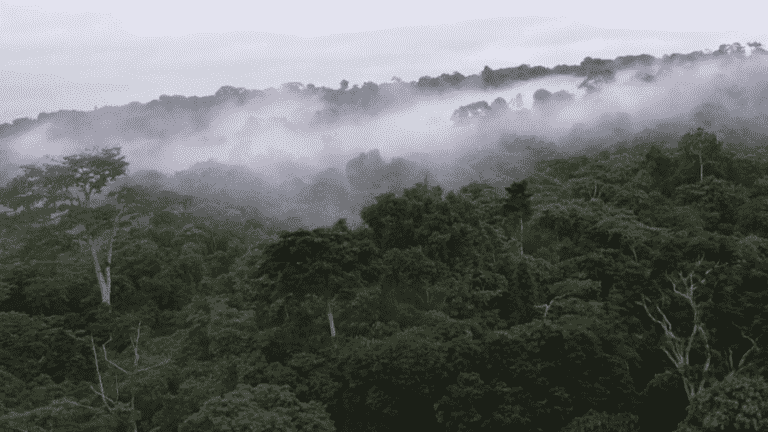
x: 621, y: 291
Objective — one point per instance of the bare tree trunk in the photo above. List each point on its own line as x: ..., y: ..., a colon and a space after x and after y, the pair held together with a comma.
x: 733, y: 370
x: 330, y: 320
x: 105, y: 281
x: 678, y: 348
x: 547, y: 306
x: 521, y: 236
x: 113, y: 405
x: 105, y: 278
x: 701, y: 168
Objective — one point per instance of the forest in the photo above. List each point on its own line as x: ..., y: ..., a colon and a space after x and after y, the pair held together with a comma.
x: 618, y: 290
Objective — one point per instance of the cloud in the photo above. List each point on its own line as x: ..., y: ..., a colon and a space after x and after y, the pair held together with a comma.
x: 260, y: 148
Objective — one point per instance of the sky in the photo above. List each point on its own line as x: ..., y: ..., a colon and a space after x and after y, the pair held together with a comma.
x: 80, y: 54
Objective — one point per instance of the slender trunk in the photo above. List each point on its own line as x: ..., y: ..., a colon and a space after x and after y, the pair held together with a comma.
x: 521, y: 236
x: 105, y: 278
x: 133, y: 407
x: 330, y: 320
x: 701, y: 168
x: 104, y: 282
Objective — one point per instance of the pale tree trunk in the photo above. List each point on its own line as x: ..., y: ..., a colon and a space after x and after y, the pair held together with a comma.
x: 678, y: 348
x: 330, y: 320
x: 104, y: 278
x: 547, y: 306
x: 521, y: 236
x: 701, y: 168
x: 733, y: 370
x: 113, y: 406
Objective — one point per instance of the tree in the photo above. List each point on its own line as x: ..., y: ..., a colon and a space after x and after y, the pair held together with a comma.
x: 393, y: 383
x: 106, y: 411
x: 625, y: 226
x: 115, y: 406
x: 660, y: 166
x: 736, y: 403
x: 595, y: 421
x: 586, y: 289
x: 518, y: 203
x: 752, y: 217
x: 412, y: 278
x: 416, y: 218
x: 716, y: 200
x: 265, y: 407
x: 678, y: 348
x: 757, y: 48
x: 65, y: 195
x: 325, y: 262
x: 701, y: 145
x: 520, y: 384
x: 489, y: 78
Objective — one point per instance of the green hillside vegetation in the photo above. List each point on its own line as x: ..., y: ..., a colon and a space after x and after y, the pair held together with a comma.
x: 618, y: 291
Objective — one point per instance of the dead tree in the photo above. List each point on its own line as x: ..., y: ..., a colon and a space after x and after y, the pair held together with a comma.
x: 110, y: 409
x: 677, y: 347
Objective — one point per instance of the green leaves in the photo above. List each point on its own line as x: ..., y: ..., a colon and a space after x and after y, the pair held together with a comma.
x: 736, y: 403
x: 717, y: 201
x: 627, y: 228
x: 410, y: 277
x: 559, y: 371
x: 394, y: 383
x: 594, y: 421
x: 61, y: 196
x: 322, y: 262
x: 409, y: 220
x: 93, y: 171
x: 262, y: 408
x: 583, y: 289
x: 518, y: 201
x: 54, y: 185
x: 700, y: 147
x: 462, y: 407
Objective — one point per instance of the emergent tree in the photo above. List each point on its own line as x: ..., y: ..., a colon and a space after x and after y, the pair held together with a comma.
x: 65, y: 195
x: 702, y: 146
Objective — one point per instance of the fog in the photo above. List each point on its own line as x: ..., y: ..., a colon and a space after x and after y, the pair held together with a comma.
x: 268, y: 150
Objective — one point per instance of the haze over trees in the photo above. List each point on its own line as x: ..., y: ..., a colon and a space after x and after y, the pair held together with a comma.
x: 620, y: 287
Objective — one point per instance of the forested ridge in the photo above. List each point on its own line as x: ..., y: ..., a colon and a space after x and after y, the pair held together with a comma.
x: 182, y: 114
x: 618, y: 291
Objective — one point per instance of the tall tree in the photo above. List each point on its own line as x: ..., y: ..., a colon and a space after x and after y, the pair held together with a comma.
x: 661, y: 168
x: 518, y: 203
x: 702, y: 146
x: 65, y: 195
x: 326, y: 262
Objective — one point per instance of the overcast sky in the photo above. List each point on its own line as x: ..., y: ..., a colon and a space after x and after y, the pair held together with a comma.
x: 77, y: 54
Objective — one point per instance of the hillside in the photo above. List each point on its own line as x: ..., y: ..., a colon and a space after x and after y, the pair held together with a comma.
x: 606, y: 272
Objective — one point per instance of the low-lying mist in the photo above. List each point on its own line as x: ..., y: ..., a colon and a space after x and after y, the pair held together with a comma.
x: 289, y: 153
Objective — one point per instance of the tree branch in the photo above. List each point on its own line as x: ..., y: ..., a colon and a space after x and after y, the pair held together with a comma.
x: 101, y: 384
x: 677, y: 349
x: 546, y: 306
x: 754, y: 348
